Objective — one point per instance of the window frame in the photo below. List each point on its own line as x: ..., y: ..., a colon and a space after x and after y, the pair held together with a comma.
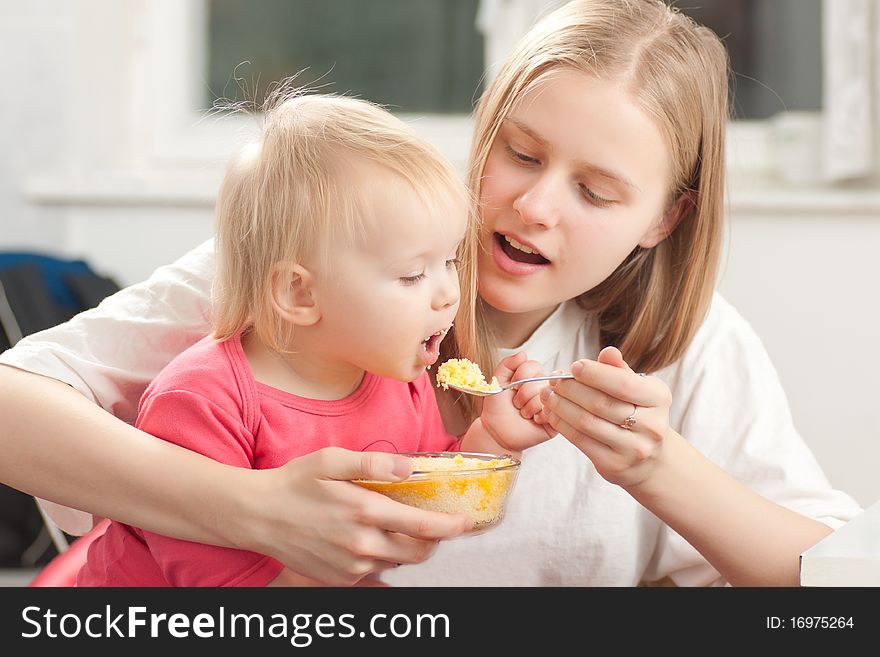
x: 168, y: 138
x: 180, y: 135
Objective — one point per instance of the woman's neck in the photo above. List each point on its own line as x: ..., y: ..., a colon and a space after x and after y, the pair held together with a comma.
x: 304, y: 373
x: 511, y: 330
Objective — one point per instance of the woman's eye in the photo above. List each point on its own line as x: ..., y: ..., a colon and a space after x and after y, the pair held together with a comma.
x: 521, y: 157
x: 452, y: 263
x: 412, y: 280
x: 594, y: 198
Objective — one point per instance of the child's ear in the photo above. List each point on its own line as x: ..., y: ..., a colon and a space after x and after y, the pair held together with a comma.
x: 293, y: 294
x: 685, y: 203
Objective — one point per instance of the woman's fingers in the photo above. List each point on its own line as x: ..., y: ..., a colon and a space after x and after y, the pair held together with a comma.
x: 386, y: 514
x: 598, y: 452
x: 582, y: 419
x: 617, y: 453
x: 598, y: 403
x: 390, y: 549
x: 617, y: 383
x: 374, y: 510
x: 612, y: 356
x: 377, y: 548
x: 617, y: 417
x: 338, y: 532
x: 340, y: 464
x: 367, y: 541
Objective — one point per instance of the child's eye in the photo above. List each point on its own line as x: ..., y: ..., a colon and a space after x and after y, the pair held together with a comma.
x: 594, y: 198
x: 453, y: 263
x: 412, y: 280
x: 520, y: 157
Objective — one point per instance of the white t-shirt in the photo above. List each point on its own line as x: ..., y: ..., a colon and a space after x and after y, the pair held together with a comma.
x: 565, y: 525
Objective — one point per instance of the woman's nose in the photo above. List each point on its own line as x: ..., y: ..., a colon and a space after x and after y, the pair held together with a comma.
x: 540, y: 203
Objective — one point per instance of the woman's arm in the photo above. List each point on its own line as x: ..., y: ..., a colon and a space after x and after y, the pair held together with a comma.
x: 748, y: 539
x: 109, y: 354
x: 59, y: 446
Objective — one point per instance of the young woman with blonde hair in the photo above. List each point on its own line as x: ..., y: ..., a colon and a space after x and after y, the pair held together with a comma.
x: 598, y: 162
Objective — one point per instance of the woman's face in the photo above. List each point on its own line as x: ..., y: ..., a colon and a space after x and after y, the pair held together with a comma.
x: 576, y: 178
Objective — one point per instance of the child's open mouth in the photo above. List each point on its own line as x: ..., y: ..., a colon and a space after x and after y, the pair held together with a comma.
x: 430, y: 351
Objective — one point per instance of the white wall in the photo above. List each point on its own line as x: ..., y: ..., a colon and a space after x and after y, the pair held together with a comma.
x: 35, y: 39
x: 72, y: 181
x: 807, y: 283
x: 804, y: 274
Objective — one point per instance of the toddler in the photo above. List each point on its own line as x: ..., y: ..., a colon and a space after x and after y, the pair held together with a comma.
x: 338, y: 243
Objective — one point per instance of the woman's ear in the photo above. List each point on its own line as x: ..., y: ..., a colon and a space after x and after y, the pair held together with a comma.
x: 294, y: 295
x: 684, y: 204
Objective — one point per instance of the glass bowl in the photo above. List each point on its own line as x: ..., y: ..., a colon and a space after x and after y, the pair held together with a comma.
x: 455, y: 482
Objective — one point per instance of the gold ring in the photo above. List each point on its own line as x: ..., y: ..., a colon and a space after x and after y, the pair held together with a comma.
x: 629, y: 422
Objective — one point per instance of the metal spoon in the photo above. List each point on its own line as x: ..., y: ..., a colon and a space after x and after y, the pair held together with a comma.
x: 508, y: 386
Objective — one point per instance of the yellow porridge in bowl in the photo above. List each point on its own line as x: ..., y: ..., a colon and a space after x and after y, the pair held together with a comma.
x: 455, y: 482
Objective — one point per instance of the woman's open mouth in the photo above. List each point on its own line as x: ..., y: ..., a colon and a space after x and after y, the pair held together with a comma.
x: 514, y: 257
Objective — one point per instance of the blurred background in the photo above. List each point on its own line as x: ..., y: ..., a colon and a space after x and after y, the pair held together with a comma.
x: 114, y: 137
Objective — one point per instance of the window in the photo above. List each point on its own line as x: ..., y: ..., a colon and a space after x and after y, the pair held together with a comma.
x: 191, y: 52
x: 775, y: 52
x: 421, y: 56
x: 187, y: 52
x: 425, y: 58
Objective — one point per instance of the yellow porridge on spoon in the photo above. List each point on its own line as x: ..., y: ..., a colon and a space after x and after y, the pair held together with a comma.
x: 462, y: 373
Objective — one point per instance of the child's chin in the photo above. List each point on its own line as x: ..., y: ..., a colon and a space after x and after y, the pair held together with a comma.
x: 407, y: 375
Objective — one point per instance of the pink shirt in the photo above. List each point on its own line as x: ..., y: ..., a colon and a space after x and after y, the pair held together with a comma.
x: 208, y: 401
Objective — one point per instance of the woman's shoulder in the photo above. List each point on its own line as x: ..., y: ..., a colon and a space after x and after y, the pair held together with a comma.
x: 724, y: 333
x: 725, y: 348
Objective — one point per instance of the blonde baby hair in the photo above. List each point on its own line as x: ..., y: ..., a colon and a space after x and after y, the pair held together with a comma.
x: 292, y: 196
x: 677, y: 71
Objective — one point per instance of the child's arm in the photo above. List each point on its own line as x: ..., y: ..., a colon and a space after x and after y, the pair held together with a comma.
x: 513, y: 420
x: 749, y: 539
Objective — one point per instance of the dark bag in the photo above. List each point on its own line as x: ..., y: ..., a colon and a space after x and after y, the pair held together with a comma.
x: 37, y: 292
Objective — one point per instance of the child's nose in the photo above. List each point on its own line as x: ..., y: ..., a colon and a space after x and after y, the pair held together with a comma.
x: 447, y: 293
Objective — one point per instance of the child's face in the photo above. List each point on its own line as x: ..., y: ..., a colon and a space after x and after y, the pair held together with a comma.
x: 576, y: 178
x: 388, y: 301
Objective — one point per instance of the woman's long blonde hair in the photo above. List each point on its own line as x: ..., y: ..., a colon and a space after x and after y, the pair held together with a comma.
x: 655, y: 301
x: 291, y: 196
